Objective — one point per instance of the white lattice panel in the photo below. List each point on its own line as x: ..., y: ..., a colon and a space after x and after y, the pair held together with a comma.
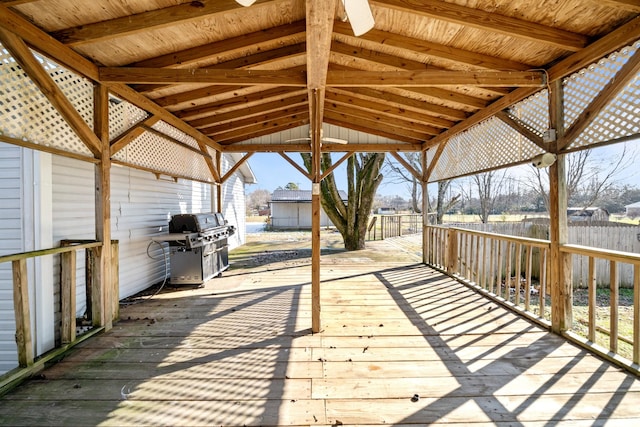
x: 534, y: 111
x: 621, y: 116
x: 581, y: 88
x: 489, y: 144
x: 176, y: 134
x: 123, y: 116
x: 25, y: 113
x: 162, y: 155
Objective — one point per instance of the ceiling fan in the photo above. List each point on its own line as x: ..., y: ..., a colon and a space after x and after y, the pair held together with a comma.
x: 327, y: 139
x: 358, y: 12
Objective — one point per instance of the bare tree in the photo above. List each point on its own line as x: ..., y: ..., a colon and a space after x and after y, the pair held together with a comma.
x: 444, y: 203
x: 489, y: 185
x: 258, y: 199
x: 399, y: 174
x: 587, y: 177
x: 363, y: 178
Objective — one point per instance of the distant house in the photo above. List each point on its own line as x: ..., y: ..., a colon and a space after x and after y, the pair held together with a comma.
x: 386, y: 211
x: 632, y: 210
x: 291, y: 209
x: 587, y: 214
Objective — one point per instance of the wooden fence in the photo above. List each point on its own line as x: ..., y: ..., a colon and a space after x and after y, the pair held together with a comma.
x: 612, y: 236
x: 386, y: 226
x: 27, y: 361
x: 502, y: 267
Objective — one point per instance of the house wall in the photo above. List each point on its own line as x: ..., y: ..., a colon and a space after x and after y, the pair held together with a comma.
x: 141, y: 207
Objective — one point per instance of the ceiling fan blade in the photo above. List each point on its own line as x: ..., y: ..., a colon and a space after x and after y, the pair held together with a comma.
x: 297, y: 139
x: 246, y: 3
x: 336, y: 140
x: 360, y: 16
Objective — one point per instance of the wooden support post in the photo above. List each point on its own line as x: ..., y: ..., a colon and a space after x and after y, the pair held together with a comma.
x: 21, y: 311
x: 560, y: 263
x: 636, y: 313
x: 115, y: 280
x: 219, y: 184
x: 94, y: 279
x: 316, y: 172
x: 68, y: 296
x: 425, y: 211
x: 102, y: 292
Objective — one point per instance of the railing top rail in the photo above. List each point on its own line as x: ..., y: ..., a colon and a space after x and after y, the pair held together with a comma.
x: 526, y: 240
x: 611, y: 255
x: 50, y: 251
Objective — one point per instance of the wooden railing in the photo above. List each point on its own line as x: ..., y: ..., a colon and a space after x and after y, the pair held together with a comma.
x: 67, y: 251
x: 386, y: 226
x: 502, y: 268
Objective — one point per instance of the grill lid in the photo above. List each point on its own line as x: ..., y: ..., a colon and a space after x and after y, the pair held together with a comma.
x: 195, y: 223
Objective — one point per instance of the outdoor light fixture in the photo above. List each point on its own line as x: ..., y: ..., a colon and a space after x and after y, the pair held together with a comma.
x: 543, y: 160
x: 246, y: 3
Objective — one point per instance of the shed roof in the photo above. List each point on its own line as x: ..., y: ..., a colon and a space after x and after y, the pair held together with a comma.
x: 298, y: 196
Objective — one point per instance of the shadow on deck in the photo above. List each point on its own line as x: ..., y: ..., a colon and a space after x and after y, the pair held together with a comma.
x: 401, y: 344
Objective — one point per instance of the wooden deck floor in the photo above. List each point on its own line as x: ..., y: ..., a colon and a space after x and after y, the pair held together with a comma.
x: 402, y: 345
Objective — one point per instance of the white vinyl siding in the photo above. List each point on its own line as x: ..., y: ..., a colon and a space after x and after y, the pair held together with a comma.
x: 10, y: 242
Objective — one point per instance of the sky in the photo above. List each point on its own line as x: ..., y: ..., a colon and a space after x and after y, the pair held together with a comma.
x: 272, y: 171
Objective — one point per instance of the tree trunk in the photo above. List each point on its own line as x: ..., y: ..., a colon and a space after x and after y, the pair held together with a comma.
x: 363, y: 178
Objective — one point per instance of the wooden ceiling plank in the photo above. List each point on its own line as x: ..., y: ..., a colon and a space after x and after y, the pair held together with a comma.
x: 422, y: 47
x: 294, y: 111
x: 489, y: 21
x: 283, y: 35
x: 41, y: 78
x: 238, y: 102
x: 398, y: 122
x: 145, y: 21
x: 379, y: 95
x: 193, y: 96
x: 130, y: 75
x: 628, y: 72
x: 248, y: 131
x: 428, y: 78
x: 248, y: 112
x: 346, y: 98
x: 267, y: 148
x: 390, y: 129
x: 617, y: 39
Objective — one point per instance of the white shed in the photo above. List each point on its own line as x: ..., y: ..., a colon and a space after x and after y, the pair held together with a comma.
x: 291, y: 209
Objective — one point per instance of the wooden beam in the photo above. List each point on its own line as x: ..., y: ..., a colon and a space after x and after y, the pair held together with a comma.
x: 627, y: 73
x: 489, y: 21
x: 295, y: 165
x: 390, y: 128
x: 235, y: 167
x: 241, y: 147
x: 429, y: 78
x: 435, y: 159
x: 417, y: 175
x: 151, y: 20
x: 296, y: 111
x: 416, y: 47
x: 68, y: 296
x: 523, y: 129
x: 335, y: 165
x: 23, y: 56
x: 131, y: 75
x: 132, y: 133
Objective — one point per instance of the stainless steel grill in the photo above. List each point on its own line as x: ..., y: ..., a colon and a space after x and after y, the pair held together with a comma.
x: 198, y: 245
